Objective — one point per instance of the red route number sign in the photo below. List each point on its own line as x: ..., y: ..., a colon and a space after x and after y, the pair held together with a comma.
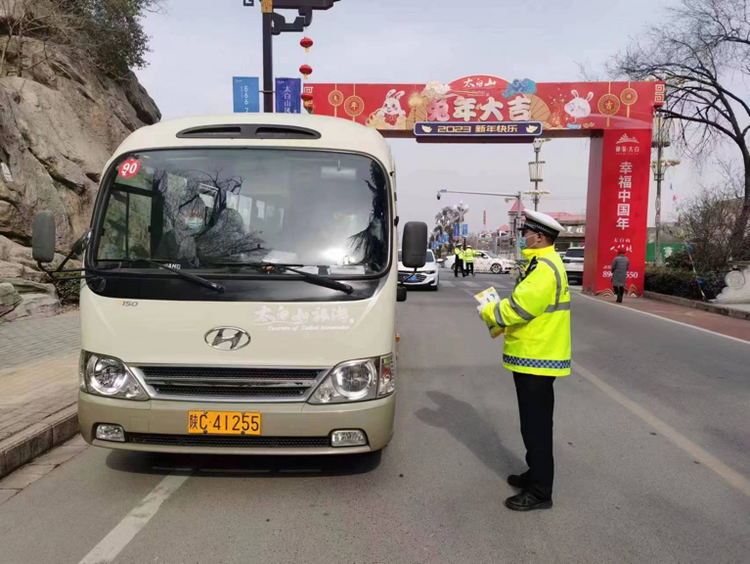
x: 129, y: 168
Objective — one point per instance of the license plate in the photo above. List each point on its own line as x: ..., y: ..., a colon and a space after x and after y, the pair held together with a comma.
x: 412, y: 279
x: 223, y: 423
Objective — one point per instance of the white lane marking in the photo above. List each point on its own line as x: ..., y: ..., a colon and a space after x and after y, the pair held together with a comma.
x: 663, y: 318
x: 119, y: 537
x: 731, y: 476
x: 470, y: 285
x: 448, y: 284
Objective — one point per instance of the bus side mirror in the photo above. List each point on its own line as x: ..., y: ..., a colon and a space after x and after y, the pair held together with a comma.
x: 414, y: 245
x: 44, y: 237
x: 401, y: 294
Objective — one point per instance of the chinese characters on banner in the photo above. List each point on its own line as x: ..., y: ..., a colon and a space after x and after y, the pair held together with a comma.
x: 624, y: 194
x: 288, y: 92
x: 485, y: 99
x: 622, y: 208
x: 424, y: 130
x: 246, y: 90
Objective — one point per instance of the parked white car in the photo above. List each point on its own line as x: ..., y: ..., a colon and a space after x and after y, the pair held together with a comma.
x: 426, y: 277
x: 573, y: 261
x: 485, y: 263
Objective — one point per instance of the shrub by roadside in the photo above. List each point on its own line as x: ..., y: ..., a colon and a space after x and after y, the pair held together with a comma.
x: 68, y: 292
x: 682, y: 283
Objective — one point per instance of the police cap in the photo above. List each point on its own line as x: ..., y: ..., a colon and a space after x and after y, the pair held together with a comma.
x: 541, y: 223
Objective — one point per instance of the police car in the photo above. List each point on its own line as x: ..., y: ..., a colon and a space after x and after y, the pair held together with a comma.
x: 426, y: 277
x: 485, y: 262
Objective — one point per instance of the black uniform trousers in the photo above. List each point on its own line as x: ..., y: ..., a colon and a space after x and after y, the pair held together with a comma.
x: 536, y: 404
x: 458, y: 266
x: 469, y: 269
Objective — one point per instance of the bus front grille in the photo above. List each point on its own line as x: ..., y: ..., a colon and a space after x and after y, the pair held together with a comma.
x: 230, y: 383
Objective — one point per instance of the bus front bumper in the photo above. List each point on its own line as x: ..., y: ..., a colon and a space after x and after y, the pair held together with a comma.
x: 287, y: 428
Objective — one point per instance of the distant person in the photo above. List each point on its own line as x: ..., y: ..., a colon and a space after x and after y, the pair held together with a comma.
x: 469, y: 256
x: 620, y: 274
x: 459, y: 264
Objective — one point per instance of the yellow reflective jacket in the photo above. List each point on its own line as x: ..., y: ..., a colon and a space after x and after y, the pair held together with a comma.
x: 536, y: 318
x: 469, y: 254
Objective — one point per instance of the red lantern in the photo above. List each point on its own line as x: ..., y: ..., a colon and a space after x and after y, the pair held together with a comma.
x: 306, y: 70
x: 306, y: 97
x: 306, y: 43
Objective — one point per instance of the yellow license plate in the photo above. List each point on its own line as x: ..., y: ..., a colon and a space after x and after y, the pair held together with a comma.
x: 223, y: 423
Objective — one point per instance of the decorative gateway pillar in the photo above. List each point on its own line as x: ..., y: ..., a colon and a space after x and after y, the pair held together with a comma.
x: 617, y: 208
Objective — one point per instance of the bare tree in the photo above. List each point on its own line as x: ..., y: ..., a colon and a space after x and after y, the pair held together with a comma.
x: 707, y: 221
x: 21, y: 20
x: 370, y: 242
x: 444, y: 221
x: 699, y: 51
x: 106, y: 34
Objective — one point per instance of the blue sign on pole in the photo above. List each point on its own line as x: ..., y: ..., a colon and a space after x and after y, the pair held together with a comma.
x: 246, y: 94
x: 288, y: 92
x: 465, y: 230
x: 446, y: 238
x: 456, y: 230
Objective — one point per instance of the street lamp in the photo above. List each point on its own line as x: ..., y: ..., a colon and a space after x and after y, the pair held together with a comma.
x: 660, y: 140
x: 536, y: 171
x: 659, y: 171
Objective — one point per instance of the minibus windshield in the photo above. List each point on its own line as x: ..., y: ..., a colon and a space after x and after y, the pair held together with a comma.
x: 203, y: 208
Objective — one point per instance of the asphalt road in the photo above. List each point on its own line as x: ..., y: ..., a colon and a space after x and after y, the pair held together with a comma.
x: 652, y: 450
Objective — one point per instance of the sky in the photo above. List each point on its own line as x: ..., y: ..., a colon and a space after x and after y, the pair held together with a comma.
x: 199, y: 45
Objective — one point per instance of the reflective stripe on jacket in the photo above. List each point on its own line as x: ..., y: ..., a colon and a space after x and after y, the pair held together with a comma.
x: 469, y: 255
x: 536, y: 318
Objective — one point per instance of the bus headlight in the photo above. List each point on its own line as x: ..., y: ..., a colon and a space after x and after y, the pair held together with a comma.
x: 109, y: 377
x: 356, y: 380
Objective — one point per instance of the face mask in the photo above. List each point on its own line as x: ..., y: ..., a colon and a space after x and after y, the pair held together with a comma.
x: 194, y: 223
x: 524, y: 244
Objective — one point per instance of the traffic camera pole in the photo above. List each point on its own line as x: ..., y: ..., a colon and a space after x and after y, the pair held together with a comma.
x: 267, y: 10
x: 536, y: 180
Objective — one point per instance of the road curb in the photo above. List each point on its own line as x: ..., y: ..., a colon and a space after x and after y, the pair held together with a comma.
x: 712, y: 308
x: 23, y: 447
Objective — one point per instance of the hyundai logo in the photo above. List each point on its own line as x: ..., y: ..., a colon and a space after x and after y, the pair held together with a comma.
x: 227, y: 338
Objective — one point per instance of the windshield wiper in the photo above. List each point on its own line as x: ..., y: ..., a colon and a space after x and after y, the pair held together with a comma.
x: 316, y: 279
x: 184, y: 275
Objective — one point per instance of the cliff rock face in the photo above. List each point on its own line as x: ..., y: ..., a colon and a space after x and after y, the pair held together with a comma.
x: 59, y: 124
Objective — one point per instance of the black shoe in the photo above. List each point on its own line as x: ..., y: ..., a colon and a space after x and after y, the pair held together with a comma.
x: 527, y: 501
x: 521, y: 481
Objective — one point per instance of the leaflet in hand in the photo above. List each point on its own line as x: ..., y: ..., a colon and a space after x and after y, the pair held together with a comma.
x: 490, y: 296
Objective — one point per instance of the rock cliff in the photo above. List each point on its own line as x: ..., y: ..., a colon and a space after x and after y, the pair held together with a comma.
x: 59, y: 123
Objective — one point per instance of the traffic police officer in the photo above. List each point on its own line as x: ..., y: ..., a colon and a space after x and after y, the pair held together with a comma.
x: 536, y: 323
x: 459, y: 264
x: 469, y: 255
